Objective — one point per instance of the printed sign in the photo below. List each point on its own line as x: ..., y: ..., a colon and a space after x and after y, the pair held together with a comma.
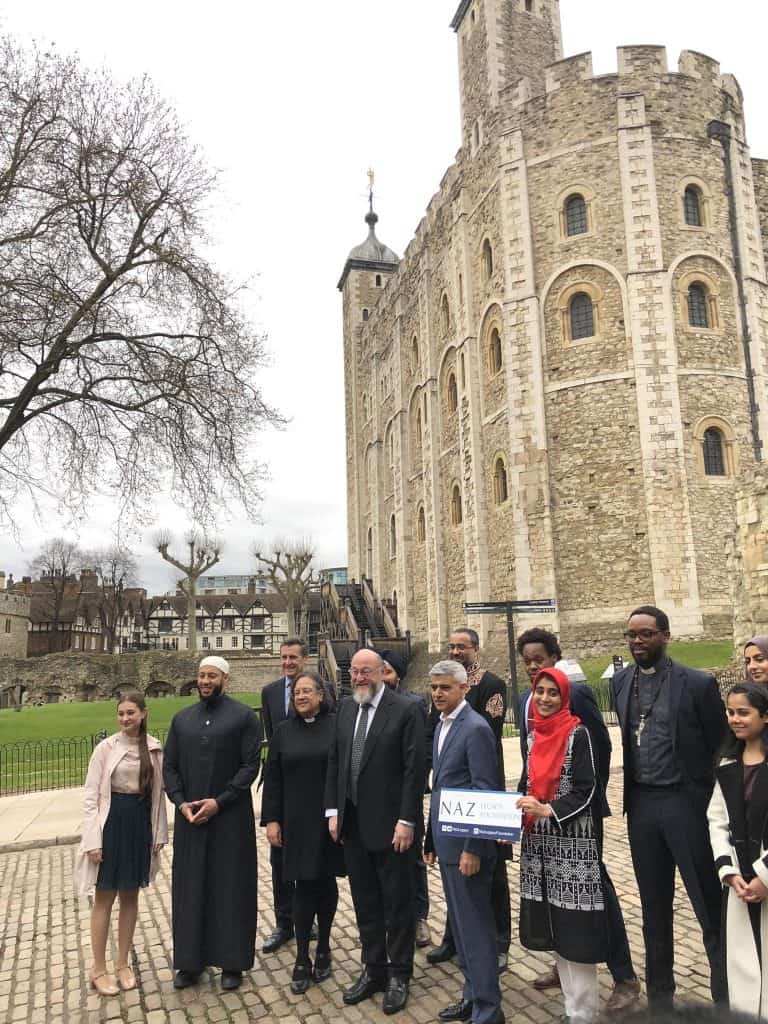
x: 480, y: 814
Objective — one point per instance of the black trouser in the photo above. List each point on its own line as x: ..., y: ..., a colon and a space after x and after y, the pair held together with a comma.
x: 667, y: 829
x: 619, y: 957
x: 422, y: 887
x: 282, y: 891
x: 317, y: 896
x: 502, y: 914
x: 383, y: 893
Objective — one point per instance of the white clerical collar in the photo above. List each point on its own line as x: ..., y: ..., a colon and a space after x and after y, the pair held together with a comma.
x: 648, y: 671
x: 454, y: 714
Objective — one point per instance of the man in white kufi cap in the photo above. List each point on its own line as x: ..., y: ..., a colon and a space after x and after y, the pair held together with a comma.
x: 211, y: 760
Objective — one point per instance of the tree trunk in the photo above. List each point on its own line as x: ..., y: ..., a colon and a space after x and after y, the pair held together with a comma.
x: 191, y: 615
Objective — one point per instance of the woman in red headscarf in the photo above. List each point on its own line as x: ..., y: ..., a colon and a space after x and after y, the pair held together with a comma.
x: 562, y: 905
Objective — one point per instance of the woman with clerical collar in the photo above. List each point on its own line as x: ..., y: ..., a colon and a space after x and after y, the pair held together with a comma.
x: 212, y: 758
x: 293, y: 810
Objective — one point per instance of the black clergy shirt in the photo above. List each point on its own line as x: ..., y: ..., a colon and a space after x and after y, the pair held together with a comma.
x: 654, y: 761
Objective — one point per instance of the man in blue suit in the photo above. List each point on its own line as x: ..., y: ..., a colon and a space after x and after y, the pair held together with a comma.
x: 464, y: 756
x: 540, y: 649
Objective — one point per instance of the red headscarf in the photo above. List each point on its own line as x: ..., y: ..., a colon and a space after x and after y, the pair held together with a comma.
x: 550, y: 740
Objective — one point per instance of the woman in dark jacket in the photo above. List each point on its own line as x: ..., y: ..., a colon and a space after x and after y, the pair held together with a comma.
x: 293, y: 811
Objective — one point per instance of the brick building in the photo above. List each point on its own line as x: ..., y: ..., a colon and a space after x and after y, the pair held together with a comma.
x: 552, y: 392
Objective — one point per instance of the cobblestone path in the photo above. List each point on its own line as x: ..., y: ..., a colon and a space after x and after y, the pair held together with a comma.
x: 44, y: 955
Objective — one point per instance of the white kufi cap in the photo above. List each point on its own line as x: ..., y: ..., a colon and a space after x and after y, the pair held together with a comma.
x: 215, y: 662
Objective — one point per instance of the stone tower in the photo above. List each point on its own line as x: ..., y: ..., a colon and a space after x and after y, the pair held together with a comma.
x: 568, y: 370
x: 366, y: 272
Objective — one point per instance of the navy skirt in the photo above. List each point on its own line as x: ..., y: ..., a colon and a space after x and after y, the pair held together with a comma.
x: 126, y: 846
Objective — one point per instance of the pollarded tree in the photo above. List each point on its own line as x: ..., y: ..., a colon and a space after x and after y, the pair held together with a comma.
x: 202, y: 555
x: 288, y: 567
x: 124, y: 357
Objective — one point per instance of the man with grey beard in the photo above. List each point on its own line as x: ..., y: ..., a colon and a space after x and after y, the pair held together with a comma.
x: 373, y: 799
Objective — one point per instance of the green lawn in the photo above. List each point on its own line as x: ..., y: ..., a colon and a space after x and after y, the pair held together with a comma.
x: 80, y: 719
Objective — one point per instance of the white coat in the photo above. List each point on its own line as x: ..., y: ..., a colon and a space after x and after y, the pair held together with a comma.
x: 96, y: 803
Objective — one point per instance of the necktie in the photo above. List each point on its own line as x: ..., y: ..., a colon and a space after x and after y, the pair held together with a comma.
x: 357, y: 750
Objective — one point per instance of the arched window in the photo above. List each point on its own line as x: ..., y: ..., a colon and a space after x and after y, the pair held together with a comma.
x: 378, y: 280
x: 576, y: 217
x: 419, y: 432
x: 392, y: 537
x: 452, y: 393
x: 692, y: 206
x: 457, y: 515
x: 463, y: 371
x: 714, y: 452
x: 392, y: 448
x: 582, y: 315
x: 421, y: 525
x: 476, y: 135
x: 494, y: 352
x: 369, y: 553
x: 415, y: 354
x: 366, y: 314
x: 529, y: 6
x: 500, y: 488
x: 698, y: 306
x: 445, y: 315
x: 487, y: 260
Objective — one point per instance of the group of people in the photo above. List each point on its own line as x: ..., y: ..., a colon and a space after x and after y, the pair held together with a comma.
x: 343, y: 794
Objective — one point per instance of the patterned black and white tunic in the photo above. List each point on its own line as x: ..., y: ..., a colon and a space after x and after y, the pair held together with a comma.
x: 561, y: 884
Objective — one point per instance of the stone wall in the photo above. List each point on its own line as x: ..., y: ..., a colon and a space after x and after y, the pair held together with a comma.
x: 748, y: 559
x: 72, y: 677
x: 14, y: 625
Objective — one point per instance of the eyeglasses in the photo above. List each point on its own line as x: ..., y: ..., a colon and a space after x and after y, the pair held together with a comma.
x: 362, y: 673
x: 641, y: 634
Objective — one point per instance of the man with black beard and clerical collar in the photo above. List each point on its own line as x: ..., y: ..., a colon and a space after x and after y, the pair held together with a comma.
x: 672, y: 725
x: 210, y: 762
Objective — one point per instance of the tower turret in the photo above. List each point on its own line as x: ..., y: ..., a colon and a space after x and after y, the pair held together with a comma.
x: 502, y: 42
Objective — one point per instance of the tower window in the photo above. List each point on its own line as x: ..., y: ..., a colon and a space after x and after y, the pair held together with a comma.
x: 457, y: 516
x: 421, y: 525
x: 582, y: 314
x: 378, y: 280
x: 529, y: 6
x: 415, y: 354
x: 487, y: 260
x: 419, y: 432
x: 692, y: 206
x: 453, y: 393
x: 714, y: 454
x: 366, y: 314
x: 445, y: 314
x: 698, y: 306
x: 576, y: 218
x: 494, y: 353
x: 392, y: 537
x: 500, y: 488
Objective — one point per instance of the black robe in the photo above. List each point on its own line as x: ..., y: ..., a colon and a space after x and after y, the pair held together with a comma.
x: 294, y: 789
x: 213, y: 750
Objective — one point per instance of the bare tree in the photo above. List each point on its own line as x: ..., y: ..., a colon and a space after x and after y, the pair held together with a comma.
x: 288, y: 567
x: 116, y: 570
x: 203, y: 555
x: 125, y: 358
x: 57, y: 566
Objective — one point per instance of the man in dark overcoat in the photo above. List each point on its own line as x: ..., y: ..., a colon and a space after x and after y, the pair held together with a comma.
x: 211, y: 760
x: 672, y: 725
x: 374, y: 805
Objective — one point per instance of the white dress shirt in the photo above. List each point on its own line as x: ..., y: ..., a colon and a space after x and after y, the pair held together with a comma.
x: 446, y: 721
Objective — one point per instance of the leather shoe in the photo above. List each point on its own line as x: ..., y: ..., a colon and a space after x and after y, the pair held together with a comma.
x: 278, y: 938
x: 624, y: 996
x: 395, y: 995
x: 364, y: 988
x: 302, y: 976
x: 441, y: 954
x: 184, y: 979
x: 457, y: 1011
x: 231, y: 980
x: 551, y: 979
x: 322, y: 969
x: 423, y: 937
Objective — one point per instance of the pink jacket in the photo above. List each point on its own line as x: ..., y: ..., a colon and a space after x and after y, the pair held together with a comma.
x: 96, y: 801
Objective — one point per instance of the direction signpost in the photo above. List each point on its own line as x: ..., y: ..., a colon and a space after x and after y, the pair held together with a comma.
x: 546, y: 606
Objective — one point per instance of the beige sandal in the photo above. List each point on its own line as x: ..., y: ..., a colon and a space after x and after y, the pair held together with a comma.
x: 104, y: 984
x: 126, y: 979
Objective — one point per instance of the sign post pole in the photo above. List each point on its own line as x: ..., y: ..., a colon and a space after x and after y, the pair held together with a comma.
x: 513, y: 665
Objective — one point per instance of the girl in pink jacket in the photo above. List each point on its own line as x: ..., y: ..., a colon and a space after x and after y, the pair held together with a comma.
x: 124, y: 829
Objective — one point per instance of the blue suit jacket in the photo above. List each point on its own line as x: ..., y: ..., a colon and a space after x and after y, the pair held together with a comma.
x: 468, y: 760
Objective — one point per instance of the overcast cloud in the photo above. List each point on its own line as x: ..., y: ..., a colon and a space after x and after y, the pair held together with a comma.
x: 293, y: 102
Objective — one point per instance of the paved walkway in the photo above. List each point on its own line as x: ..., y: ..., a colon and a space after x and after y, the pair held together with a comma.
x: 44, y: 945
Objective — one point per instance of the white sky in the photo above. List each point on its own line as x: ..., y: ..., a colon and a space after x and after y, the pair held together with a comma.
x: 293, y: 102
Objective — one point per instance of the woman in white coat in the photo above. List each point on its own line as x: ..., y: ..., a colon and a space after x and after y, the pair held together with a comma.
x: 738, y: 826
x: 124, y: 829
